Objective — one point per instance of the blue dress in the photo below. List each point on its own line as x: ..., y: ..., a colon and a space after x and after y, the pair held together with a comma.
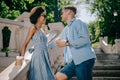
x: 40, y: 68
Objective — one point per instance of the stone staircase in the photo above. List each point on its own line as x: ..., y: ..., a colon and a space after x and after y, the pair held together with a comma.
x: 107, y: 66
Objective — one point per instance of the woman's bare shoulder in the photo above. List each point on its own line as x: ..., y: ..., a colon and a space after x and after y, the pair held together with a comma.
x: 32, y: 28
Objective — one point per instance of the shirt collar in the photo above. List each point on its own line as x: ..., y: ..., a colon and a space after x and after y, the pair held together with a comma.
x: 72, y: 20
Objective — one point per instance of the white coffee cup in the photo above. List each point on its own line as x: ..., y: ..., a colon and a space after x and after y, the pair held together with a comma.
x: 19, y: 60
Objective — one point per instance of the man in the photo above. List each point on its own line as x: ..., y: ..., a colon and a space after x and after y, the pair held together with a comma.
x: 78, y: 53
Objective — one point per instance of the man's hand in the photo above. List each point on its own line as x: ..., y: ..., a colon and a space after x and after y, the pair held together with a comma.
x: 61, y: 43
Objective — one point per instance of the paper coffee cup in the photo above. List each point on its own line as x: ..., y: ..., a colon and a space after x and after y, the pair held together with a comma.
x: 19, y: 60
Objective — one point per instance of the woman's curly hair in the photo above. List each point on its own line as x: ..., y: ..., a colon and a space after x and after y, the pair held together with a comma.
x: 35, y: 13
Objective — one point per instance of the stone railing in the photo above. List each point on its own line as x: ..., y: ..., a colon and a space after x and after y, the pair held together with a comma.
x: 116, y: 46
x: 108, y: 48
x: 14, y: 72
x: 18, y: 33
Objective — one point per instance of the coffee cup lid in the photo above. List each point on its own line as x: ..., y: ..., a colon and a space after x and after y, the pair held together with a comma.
x: 19, y: 57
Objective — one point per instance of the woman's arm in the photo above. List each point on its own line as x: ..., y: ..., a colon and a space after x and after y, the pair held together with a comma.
x: 30, y: 33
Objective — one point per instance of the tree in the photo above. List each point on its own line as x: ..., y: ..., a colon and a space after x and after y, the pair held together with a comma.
x: 108, y: 23
x: 13, y: 8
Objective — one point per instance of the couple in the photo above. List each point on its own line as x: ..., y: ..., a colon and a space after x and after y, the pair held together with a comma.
x: 75, y: 40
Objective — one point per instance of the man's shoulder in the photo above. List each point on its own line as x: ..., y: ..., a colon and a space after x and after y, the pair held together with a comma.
x: 79, y: 20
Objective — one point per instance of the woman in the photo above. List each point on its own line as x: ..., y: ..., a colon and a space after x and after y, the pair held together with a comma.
x: 39, y: 67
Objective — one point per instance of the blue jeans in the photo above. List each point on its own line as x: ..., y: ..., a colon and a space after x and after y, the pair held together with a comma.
x: 82, y: 71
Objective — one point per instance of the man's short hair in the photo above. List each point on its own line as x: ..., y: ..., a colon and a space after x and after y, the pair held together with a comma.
x: 72, y: 8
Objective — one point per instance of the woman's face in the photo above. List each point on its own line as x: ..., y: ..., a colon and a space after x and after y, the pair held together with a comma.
x: 42, y: 18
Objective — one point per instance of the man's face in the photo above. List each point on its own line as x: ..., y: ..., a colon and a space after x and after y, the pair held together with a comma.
x: 64, y: 15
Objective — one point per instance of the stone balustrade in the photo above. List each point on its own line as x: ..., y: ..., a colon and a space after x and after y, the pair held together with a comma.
x: 14, y: 72
x: 18, y: 30
x: 108, y: 48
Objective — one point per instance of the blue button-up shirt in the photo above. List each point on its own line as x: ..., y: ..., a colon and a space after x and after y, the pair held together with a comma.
x: 78, y: 35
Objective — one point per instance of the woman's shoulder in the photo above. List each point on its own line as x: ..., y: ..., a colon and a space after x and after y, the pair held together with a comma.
x: 32, y: 29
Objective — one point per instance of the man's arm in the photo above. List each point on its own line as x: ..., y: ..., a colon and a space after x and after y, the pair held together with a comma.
x: 82, y: 35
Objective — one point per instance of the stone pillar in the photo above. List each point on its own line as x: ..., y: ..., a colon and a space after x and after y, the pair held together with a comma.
x: 106, y: 39
x: 18, y: 40
x: 1, y: 38
x: 12, y: 45
x: 109, y: 49
x: 117, y: 43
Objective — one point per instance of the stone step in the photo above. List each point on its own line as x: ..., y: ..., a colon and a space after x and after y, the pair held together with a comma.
x: 106, y: 78
x: 106, y: 73
x: 107, y: 67
x: 101, y: 78
x: 98, y: 51
x: 109, y: 62
x: 104, y: 56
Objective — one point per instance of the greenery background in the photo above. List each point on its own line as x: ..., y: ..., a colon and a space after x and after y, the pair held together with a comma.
x: 106, y: 25
x: 13, y: 8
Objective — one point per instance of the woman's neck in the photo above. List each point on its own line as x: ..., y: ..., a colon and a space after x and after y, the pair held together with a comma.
x: 38, y: 26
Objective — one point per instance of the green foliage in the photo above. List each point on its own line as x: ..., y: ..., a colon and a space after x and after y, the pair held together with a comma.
x: 7, y: 13
x: 111, y: 41
x: 107, y: 23
x: 13, y: 14
x: 95, y: 45
x: 16, y: 4
x: 3, y: 9
x: 94, y: 31
x: 13, y: 8
x: 29, y: 1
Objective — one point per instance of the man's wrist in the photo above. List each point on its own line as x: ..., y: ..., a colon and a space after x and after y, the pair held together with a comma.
x: 67, y: 43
